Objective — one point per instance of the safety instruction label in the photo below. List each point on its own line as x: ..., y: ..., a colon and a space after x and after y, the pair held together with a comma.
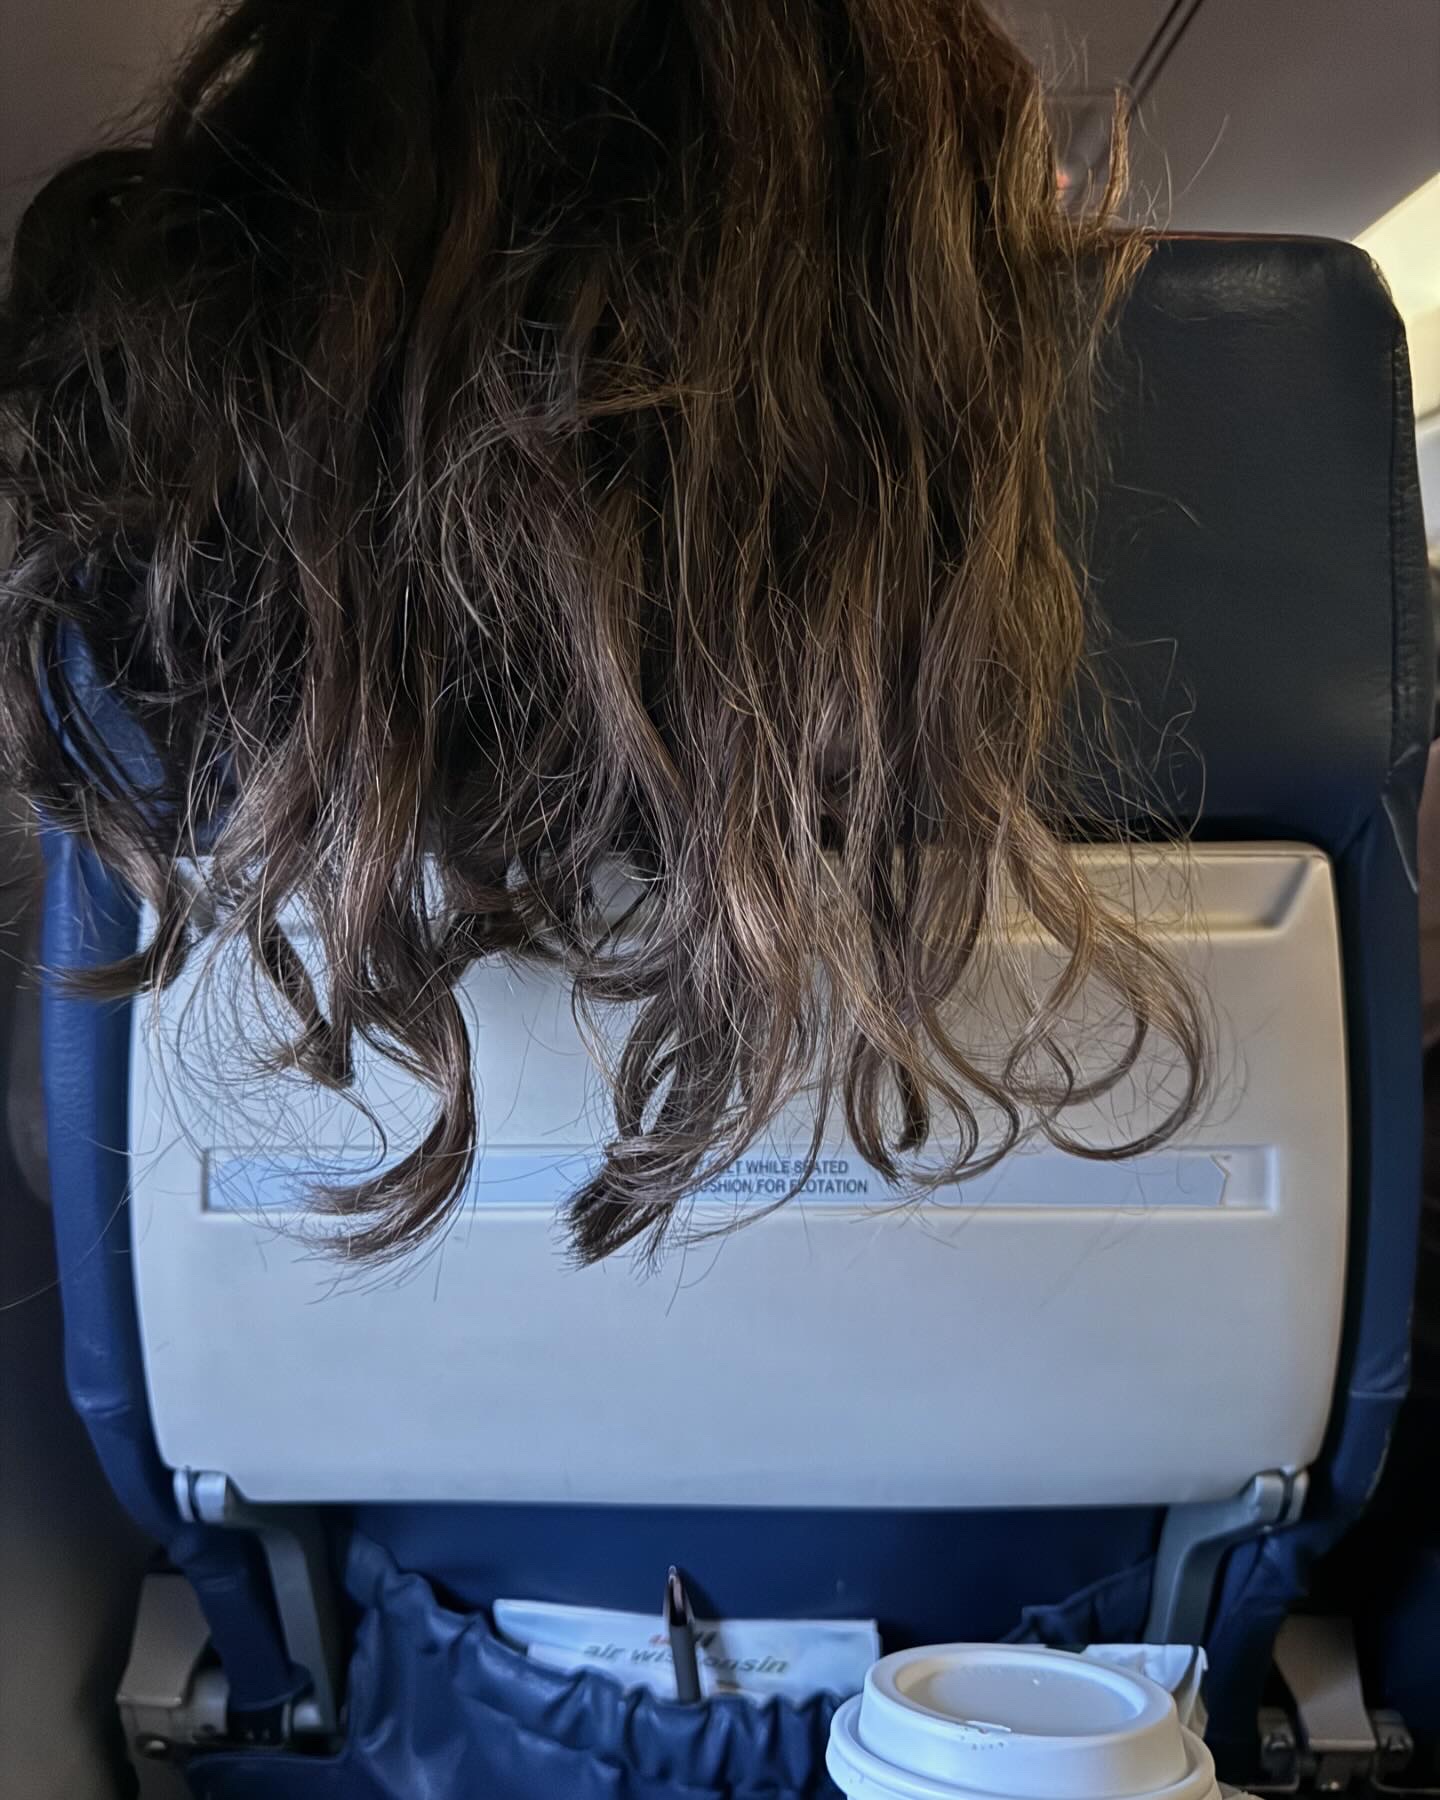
x: 534, y: 1176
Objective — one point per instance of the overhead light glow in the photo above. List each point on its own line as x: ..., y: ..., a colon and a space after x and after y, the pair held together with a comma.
x: 1406, y: 245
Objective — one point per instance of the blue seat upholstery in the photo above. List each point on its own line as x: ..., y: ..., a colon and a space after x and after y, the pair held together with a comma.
x: 1385, y: 1575
x: 1258, y: 556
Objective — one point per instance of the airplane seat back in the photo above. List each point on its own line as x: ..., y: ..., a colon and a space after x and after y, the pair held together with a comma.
x: 1382, y: 1581
x: 1078, y: 1403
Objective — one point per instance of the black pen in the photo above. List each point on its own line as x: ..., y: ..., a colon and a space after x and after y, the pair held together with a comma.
x: 680, y: 1627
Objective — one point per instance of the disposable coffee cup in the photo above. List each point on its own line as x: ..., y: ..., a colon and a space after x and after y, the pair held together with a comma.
x: 995, y: 1722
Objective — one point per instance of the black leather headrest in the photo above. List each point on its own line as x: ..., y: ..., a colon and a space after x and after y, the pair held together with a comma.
x: 1257, y: 548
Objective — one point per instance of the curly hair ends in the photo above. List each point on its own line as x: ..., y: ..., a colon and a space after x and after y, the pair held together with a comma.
x: 485, y: 452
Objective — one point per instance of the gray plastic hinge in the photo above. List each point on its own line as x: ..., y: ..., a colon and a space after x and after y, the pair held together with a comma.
x: 1333, y: 1744
x: 172, y: 1698
x: 1394, y: 1752
x: 1279, y: 1753
x: 1193, y: 1540
x: 1316, y: 1657
x: 293, y: 1542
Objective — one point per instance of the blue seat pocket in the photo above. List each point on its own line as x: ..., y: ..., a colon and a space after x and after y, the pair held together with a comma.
x: 439, y: 1706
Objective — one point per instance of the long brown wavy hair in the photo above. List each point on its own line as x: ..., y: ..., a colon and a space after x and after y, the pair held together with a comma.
x: 483, y: 449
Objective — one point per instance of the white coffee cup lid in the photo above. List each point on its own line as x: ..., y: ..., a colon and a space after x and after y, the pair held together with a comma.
x: 1002, y: 1722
